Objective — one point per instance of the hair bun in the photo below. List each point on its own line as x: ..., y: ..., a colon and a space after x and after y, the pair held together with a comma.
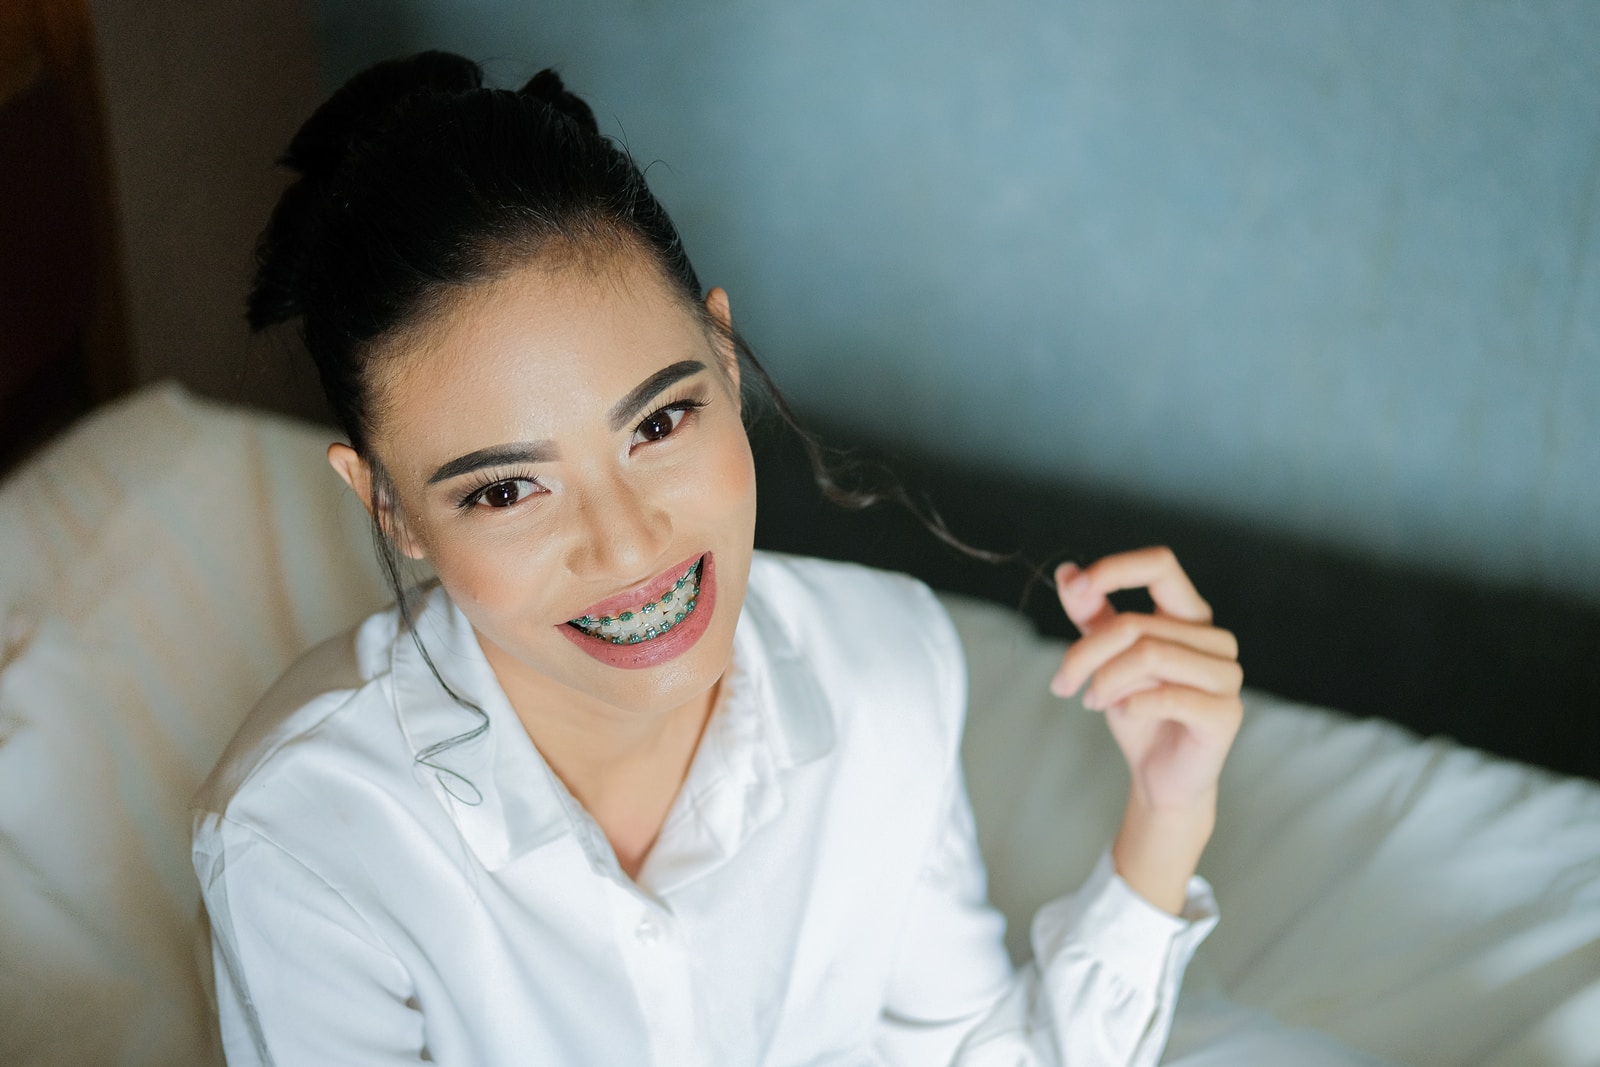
x: 546, y: 85
x: 362, y: 108
x: 367, y: 102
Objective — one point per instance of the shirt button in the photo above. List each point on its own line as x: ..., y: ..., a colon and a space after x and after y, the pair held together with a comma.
x: 647, y: 932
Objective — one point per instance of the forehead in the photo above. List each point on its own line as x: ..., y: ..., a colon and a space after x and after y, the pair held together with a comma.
x: 538, y: 353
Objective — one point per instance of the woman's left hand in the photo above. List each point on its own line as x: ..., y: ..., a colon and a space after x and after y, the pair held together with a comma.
x: 1168, y: 683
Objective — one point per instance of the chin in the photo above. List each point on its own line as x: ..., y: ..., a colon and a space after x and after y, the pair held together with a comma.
x: 679, y: 663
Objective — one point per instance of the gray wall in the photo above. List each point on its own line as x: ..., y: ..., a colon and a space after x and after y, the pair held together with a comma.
x: 1331, y: 267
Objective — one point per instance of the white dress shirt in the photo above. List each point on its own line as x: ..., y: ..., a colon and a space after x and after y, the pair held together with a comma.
x: 815, y: 895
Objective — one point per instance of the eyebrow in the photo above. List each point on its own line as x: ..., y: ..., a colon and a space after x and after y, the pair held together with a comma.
x: 498, y: 456
x: 621, y: 413
x: 624, y: 410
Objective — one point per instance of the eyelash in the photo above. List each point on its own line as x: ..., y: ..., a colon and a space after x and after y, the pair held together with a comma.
x: 474, y: 496
x: 688, y: 405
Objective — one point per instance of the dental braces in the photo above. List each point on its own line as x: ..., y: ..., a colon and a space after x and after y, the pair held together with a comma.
x: 591, y: 625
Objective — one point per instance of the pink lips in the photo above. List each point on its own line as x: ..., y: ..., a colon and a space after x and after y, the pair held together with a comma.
x: 658, y: 649
x: 639, y: 594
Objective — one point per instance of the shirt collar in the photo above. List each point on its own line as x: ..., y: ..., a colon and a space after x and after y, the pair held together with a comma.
x: 506, y: 802
x: 472, y: 753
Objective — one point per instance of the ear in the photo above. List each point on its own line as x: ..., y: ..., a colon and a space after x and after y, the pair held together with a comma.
x: 357, y: 474
x: 722, y: 314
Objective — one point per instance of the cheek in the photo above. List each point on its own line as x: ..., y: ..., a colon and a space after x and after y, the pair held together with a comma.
x: 488, y: 575
x: 725, y: 487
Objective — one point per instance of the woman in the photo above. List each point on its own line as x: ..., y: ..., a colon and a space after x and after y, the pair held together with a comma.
x: 618, y: 789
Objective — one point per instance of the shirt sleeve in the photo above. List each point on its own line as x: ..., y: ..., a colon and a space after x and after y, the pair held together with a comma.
x: 300, y: 975
x: 1099, y: 992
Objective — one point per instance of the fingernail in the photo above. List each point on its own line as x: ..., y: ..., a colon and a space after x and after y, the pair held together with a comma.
x: 1058, y: 686
x: 1078, y: 584
x: 1091, y: 700
x: 1065, y: 572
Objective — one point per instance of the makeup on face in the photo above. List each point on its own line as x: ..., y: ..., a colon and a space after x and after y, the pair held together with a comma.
x: 576, y: 471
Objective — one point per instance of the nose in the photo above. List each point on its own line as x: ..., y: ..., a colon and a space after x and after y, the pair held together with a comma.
x: 620, y: 532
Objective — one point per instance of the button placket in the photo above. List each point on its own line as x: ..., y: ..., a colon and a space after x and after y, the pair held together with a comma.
x: 658, y: 966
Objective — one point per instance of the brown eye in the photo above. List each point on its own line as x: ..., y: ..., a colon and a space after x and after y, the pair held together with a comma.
x: 656, y: 426
x: 506, y: 493
x: 659, y: 425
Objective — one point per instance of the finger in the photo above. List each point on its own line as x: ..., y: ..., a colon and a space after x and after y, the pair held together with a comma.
x: 1155, y: 569
x: 1151, y: 662
x: 1211, y: 715
x: 1085, y: 608
x: 1090, y: 653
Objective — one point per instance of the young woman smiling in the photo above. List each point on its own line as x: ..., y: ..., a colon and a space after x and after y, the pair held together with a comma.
x: 617, y: 789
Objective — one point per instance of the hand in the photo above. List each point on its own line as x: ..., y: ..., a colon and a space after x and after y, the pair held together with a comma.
x: 1169, y: 684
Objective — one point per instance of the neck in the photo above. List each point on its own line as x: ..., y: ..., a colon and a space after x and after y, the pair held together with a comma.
x: 599, y: 756
x: 625, y: 766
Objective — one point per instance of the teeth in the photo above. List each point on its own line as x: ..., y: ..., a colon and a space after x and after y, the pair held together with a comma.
x: 648, y: 621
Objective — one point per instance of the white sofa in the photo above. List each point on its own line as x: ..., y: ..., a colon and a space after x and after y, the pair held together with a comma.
x: 163, y: 561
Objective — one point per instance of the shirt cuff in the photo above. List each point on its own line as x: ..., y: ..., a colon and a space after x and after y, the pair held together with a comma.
x: 1107, y: 921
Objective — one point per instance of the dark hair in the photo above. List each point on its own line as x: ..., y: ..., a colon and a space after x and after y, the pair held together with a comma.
x: 416, y: 183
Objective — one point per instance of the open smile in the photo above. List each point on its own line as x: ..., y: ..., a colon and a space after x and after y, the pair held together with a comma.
x: 649, y: 620
x: 653, y: 624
